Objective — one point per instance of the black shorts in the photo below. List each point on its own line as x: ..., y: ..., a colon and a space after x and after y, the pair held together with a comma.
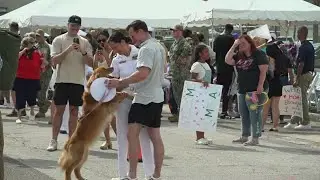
x: 68, y: 92
x: 275, y: 87
x: 147, y: 115
x: 26, y: 92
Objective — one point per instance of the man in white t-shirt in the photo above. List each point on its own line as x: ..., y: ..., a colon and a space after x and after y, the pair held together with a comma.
x: 70, y: 53
x: 148, y: 101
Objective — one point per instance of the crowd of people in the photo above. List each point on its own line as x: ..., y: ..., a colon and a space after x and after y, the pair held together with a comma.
x: 46, y: 75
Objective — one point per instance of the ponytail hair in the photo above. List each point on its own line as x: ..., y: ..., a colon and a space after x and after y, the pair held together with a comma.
x: 197, y: 51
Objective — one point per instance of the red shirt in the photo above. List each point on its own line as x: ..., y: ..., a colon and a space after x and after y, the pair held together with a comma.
x: 30, y: 68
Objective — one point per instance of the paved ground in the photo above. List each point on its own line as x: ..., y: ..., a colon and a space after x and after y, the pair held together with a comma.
x: 287, y: 155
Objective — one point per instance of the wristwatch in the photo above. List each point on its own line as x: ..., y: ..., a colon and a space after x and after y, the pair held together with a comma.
x: 84, y: 54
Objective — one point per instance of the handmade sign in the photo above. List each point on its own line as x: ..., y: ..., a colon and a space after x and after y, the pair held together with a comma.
x: 262, y: 32
x: 199, y: 107
x: 291, y: 102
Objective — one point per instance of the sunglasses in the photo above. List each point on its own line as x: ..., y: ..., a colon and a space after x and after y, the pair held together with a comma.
x: 102, y: 40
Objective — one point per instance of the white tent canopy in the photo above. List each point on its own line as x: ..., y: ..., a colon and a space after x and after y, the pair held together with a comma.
x: 256, y: 12
x: 101, y: 13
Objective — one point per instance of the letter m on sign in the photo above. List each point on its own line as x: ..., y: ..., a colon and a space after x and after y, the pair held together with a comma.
x: 189, y: 93
x: 209, y: 113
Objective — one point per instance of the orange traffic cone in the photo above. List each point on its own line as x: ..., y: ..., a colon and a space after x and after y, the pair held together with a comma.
x: 139, y: 155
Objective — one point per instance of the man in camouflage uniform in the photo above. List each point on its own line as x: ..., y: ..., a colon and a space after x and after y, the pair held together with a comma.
x: 9, y: 53
x: 45, y: 78
x: 180, y: 61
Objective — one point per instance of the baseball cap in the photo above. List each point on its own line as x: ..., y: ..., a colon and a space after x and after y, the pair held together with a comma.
x: 40, y: 32
x: 177, y: 27
x: 75, y: 20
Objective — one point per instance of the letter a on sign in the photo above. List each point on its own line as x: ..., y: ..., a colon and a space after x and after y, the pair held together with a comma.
x: 213, y: 95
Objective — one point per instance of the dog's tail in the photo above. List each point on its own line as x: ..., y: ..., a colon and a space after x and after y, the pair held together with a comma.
x: 65, y: 159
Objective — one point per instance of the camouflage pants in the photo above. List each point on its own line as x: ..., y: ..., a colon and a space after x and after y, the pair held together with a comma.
x: 43, y: 101
x: 1, y: 150
x: 177, y: 82
x: 5, y: 95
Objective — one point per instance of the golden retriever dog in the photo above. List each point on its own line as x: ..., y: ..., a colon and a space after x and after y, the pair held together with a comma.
x: 93, y: 121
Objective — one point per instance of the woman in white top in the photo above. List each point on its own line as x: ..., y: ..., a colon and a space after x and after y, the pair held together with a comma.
x: 201, y: 72
x: 124, y: 65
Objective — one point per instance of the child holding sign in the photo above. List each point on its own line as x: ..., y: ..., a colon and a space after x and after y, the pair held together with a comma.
x: 201, y: 72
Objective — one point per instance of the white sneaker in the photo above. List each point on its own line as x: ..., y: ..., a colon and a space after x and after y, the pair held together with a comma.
x: 18, y: 121
x: 5, y: 106
x: 303, y: 127
x: 124, y: 178
x: 8, y: 105
x: 289, y: 126
x: 202, y: 141
x: 152, y: 178
x: 53, y: 145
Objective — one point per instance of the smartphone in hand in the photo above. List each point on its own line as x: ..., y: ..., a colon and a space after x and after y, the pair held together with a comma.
x: 76, y: 40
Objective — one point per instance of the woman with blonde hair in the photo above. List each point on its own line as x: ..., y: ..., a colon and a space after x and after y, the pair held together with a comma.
x: 27, y: 82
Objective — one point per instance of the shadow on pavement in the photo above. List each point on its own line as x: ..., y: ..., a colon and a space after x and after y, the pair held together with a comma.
x: 229, y: 127
x: 228, y: 148
x: 110, y: 154
x: 114, y: 155
x: 305, y: 132
x: 41, y: 163
x: 297, y: 151
x: 15, y: 170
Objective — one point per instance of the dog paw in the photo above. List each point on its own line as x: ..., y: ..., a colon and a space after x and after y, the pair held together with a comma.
x: 122, y: 95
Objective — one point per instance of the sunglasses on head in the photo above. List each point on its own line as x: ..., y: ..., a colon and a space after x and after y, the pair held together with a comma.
x: 102, y: 40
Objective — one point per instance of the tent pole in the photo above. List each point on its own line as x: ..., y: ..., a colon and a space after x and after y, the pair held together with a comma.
x: 212, y: 29
x: 287, y: 30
